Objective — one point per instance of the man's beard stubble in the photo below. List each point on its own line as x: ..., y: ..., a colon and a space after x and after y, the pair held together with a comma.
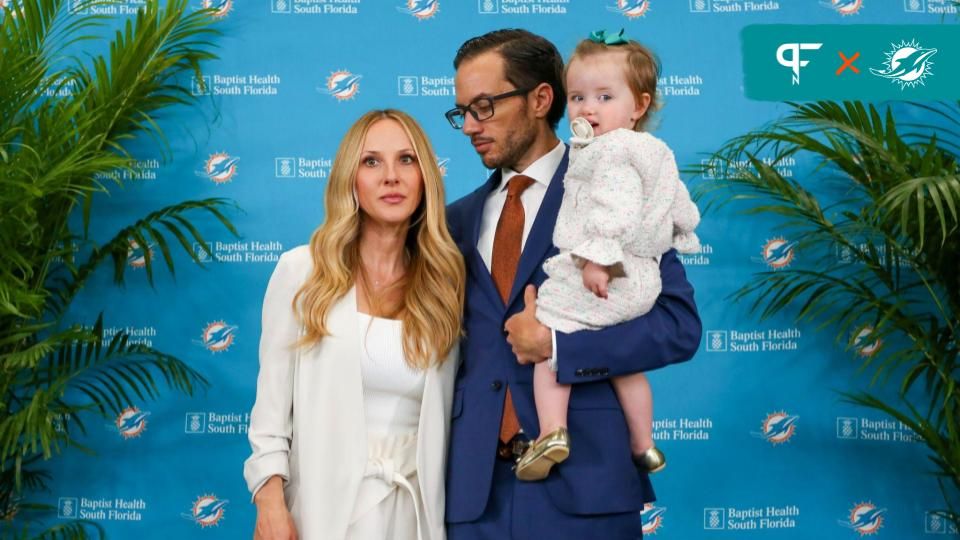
x: 515, y: 144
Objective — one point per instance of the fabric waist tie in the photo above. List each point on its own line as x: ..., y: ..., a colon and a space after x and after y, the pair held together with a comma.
x: 391, y: 461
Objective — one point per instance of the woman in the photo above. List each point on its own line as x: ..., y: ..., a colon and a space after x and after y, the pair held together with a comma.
x: 358, y: 352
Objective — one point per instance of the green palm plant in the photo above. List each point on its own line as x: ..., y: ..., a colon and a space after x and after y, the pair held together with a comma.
x: 65, y: 127
x: 883, y: 255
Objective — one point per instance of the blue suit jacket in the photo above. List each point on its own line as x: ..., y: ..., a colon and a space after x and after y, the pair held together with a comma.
x: 599, y: 476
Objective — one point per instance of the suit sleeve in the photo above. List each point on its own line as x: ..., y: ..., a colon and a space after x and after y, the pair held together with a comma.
x: 669, y: 333
x: 271, y: 420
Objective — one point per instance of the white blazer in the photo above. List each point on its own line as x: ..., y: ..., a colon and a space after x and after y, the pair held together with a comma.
x: 307, y: 424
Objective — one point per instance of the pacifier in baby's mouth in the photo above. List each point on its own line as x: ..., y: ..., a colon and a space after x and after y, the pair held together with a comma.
x: 581, y: 128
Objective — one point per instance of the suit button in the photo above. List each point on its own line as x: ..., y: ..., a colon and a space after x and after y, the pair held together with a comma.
x: 605, y: 372
x: 496, y: 385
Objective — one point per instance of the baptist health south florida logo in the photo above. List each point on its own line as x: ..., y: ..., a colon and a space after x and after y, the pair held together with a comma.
x: 651, y: 518
x: 766, y: 341
x: 522, y: 7
x: 778, y: 427
x: 219, y: 168
x: 232, y: 423
x: 342, y: 85
x: 907, y: 64
x: 246, y: 85
x: 101, y: 508
x: 239, y: 251
x: 854, y: 428
x: 207, y: 511
x: 936, y: 7
x: 751, y: 518
x: 315, y: 7
x: 302, y: 167
x: 936, y: 522
x: 865, y: 518
x: 425, y: 85
x: 732, y: 6
x: 421, y: 9
x: 843, y: 7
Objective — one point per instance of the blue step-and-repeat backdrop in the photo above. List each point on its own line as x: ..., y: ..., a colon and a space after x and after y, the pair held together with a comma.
x: 760, y: 443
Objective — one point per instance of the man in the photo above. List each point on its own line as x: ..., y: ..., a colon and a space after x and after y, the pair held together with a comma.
x: 509, y: 100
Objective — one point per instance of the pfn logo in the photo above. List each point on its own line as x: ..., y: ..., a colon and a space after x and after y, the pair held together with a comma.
x: 794, y: 62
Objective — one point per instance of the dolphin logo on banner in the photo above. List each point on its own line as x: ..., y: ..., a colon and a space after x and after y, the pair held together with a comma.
x: 907, y: 64
x: 421, y: 9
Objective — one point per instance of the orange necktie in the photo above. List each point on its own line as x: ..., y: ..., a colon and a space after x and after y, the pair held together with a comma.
x: 503, y: 268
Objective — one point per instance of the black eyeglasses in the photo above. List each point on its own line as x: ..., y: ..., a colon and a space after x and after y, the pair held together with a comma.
x: 480, y: 109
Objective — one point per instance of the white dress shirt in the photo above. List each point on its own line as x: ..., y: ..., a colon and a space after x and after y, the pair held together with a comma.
x: 541, y: 171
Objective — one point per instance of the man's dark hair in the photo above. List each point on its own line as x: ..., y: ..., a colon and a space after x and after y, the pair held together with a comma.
x: 528, y: 61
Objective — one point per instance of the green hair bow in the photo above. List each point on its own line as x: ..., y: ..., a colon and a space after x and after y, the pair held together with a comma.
x: 600, y: 36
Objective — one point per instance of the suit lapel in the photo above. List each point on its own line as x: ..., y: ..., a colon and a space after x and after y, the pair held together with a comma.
x: 477, y: 266
x: 540, y: 239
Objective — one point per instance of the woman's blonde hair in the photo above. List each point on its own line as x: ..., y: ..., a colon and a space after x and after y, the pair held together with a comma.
x: 641, y: 71
x: 433, y: 290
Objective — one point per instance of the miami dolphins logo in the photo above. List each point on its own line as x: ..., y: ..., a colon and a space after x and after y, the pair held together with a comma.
x: 631, y: 9
x: 207, y: 511
x: 9, y: 7
x: 778, y: 427
x: 865, y: 518
x: 907, y: 64
x: 131, y: 422
x: 778, y: 253
x: 343, y: 85
x: 442, y: 165
x: 136, y: 255
x: 651, y: 518
x: 221, y: 7
x: 220, y: 168
x: 844, y: 7
x: 421, y: 9
x: 218, y: 336
x: 864, y: 347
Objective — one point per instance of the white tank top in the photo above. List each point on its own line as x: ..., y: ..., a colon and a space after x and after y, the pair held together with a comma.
x: 392, y: 390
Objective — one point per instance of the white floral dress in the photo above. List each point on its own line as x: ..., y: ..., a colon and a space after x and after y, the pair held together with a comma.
x: 624, y: 206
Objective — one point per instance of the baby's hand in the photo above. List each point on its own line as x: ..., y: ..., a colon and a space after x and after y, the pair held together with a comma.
x: 596, y: 278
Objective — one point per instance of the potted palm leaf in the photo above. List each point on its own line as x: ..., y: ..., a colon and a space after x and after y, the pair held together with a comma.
x: 66, y: 125
x: 887, y: 279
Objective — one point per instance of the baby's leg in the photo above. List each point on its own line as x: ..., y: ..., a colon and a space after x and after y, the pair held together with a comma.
x: 551, y: 399
x: 636, y: 399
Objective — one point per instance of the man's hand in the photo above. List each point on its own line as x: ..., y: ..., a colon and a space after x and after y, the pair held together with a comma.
x: 532, y: 342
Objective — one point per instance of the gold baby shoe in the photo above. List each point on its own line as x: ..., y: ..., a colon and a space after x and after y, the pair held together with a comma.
x: 651, y: 460
x: 536, y: 462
